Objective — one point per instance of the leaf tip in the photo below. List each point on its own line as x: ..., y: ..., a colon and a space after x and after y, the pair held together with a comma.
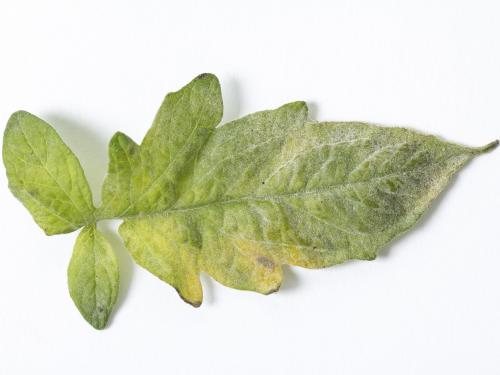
x: 209, y: 79
x: 189, y: 302
x: 18, y: 116
x: 273, y: 290
x: 98, y: 325
x: 19, y: 113
x: 195, y: 304
x: 203, y: 76
x: 14, y: 118
x: 487, y: 148
x: 301, y: 105
x: 121, y: 138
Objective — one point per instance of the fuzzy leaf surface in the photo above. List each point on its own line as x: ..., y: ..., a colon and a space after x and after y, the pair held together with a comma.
x: 269, y: 189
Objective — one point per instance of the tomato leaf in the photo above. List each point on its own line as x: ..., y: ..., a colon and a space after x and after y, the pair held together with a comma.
x: 93, y: 277
x: 236, y: 201
x: 45, y: 175
x: 269, y: 189
x: 146, y: 178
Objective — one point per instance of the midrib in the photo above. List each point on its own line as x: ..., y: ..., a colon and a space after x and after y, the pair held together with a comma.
x: 268, y: 197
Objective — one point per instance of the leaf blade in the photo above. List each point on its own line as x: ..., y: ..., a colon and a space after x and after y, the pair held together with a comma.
x: 278, y: 210
x: 183, y: 123
x: 45, y: 175
x: 122, y: 161
x: 93, y: 277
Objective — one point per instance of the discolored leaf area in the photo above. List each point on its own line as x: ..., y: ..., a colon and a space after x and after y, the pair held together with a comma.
x: 93, y: 277
x: 269, y: 189
x: 236, y: 201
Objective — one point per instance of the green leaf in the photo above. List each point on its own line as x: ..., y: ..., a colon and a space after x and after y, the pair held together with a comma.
x: 45, y: 175
x: 269, y: 189
x: 236, y: 201
x: 147, y: 178
x: 93, y: 277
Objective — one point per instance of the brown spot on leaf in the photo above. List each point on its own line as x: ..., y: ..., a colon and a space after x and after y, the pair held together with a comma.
x: 266, y: 262
x: 274, y: 290
x: 192, y: 303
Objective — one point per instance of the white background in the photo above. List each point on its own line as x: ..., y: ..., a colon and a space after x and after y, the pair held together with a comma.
x: 429, y: 304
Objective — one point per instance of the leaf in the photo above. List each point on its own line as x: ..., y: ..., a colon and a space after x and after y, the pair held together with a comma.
x: 146, y: 179
x: 269, y: 189
x: 236, y: 201
x: 48, y: 179
x: 45, y: 175
x: 93, y: 277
